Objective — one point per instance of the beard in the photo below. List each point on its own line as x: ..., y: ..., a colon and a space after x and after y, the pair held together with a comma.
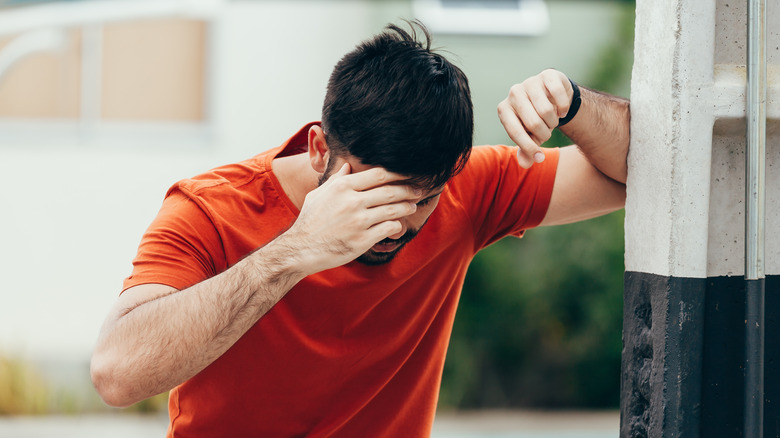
x: 328, y: 172
x: 371, y: 257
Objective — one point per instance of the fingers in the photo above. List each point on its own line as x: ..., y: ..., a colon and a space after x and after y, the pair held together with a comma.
x: 388, y: 195
x: 374, y: 177
x: 378, y: 193
x: 512, y: 119
x: 389, y: 212
x: 560, y: 93
x: 384, y: 230
x: 543, y: 115
x: 381, y: 222
x: 352, y: 212
x: 375, y: 186
x: 532, y: 110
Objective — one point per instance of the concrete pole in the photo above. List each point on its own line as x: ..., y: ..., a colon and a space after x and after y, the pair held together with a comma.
x: 684, y: 321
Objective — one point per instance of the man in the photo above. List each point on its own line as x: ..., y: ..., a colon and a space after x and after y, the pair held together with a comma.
x: 311, y: 290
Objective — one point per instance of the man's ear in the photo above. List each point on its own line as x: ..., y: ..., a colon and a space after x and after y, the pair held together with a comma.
x: 318, y: 149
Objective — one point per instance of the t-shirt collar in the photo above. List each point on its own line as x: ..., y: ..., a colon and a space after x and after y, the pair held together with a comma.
x: 298, y: 143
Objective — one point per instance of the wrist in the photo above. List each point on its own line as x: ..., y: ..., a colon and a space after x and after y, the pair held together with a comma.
x: 279, y: 262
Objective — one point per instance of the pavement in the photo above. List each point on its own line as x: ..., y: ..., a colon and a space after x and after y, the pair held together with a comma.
x: 476, y: 424
x: 527, y: 424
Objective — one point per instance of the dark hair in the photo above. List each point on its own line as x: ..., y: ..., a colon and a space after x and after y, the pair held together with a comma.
x: 393, y: 102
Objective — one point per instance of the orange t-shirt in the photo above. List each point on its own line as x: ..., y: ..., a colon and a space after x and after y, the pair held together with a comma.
x: 352, y: 351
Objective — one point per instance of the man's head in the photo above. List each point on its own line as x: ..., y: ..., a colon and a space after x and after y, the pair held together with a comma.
x: 393, y: 102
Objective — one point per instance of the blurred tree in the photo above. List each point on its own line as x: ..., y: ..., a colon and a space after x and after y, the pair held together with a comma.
x: 539, y: 323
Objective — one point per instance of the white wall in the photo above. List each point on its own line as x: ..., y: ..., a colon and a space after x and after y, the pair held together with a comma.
x: 274, y: 61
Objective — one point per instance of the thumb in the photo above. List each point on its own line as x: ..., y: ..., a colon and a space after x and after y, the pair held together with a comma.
x: 343, y: 170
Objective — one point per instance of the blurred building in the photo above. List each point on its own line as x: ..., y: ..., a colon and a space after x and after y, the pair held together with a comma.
x: 104, y: 104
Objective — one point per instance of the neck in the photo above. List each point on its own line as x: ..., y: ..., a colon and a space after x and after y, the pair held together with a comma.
x: 296, y: 176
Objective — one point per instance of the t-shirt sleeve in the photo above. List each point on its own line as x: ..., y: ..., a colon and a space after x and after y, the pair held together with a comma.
x: 180, y: 248
x: 502, y: 197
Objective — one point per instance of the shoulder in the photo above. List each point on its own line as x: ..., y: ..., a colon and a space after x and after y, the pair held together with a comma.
x: 233, y: 192
x: 500, y: 196
x: 492, y: 163
x: 223, y: 178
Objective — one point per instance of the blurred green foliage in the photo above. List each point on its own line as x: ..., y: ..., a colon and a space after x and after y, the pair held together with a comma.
x: 22, y: 389
x: 539, y: 322
x: 151, y: 405
x: 25, y: 390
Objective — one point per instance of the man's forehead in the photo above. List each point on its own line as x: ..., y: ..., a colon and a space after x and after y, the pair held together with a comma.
x: 358, y: 166
x: 424, y: 189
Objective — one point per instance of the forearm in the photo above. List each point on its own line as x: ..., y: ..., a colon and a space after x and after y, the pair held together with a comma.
x: 601, y: 130
x: 157, y: 344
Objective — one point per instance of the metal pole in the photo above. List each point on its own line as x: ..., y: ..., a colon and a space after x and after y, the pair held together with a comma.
x: 754, y: 219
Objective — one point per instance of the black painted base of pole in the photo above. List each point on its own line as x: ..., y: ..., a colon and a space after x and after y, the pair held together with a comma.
x: 754, y: 358
x: 684, y: 357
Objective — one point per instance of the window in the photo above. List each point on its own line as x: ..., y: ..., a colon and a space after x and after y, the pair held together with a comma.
x: 80, y: 71
x: 489, y: 17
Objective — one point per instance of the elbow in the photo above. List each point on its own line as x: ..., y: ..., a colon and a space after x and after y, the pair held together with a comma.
x: 618, y: 200
x: 110, y: 387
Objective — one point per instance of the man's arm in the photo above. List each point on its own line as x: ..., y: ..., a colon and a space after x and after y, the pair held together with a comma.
x: 156, y: 337
x: 591, y: 175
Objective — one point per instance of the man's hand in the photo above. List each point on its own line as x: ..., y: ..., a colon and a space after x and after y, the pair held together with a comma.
x: 347, y: 215
x: 532, y: 110
x: 591, y: 175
